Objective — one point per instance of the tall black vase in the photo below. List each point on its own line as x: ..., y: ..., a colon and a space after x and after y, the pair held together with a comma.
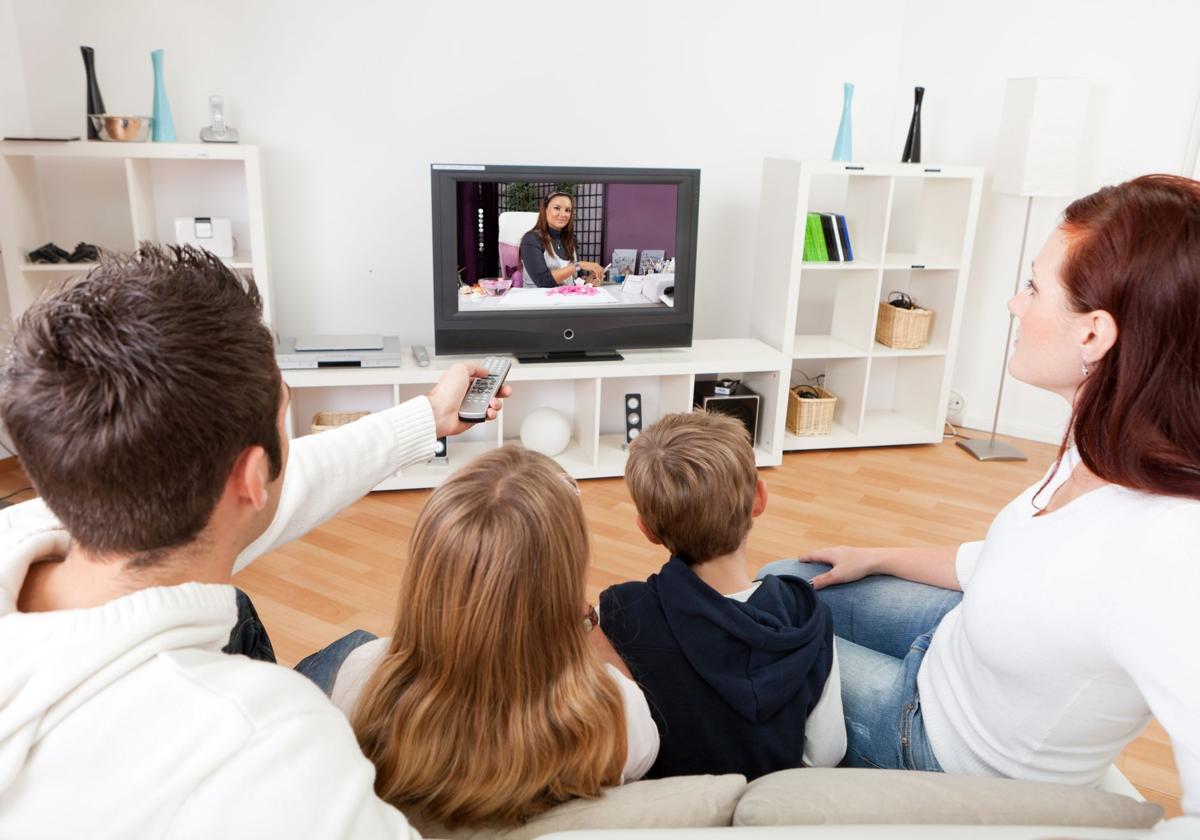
x: 912, y: 146
x: 95, y: 102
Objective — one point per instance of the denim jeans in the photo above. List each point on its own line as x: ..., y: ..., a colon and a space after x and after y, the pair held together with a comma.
x: 249, y: 637
x: 884, y: 625
x: 322, y: 667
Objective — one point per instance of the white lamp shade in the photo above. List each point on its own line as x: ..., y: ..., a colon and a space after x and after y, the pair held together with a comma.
x: 1041, y: 136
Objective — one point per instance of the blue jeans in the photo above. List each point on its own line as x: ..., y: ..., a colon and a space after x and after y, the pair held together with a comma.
x: 884, y: 625
x: 322, y: 667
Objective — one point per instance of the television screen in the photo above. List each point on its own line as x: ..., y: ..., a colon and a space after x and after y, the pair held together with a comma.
x: 562, y: 260
x: 554, y: 245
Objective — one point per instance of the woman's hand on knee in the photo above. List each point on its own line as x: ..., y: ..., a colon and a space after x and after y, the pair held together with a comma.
x: 849, y: 564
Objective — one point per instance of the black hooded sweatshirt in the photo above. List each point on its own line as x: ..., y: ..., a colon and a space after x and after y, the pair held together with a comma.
x: 730, y: 684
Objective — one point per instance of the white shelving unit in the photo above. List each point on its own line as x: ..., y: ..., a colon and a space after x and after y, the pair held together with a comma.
x: 116, y: 195
x: 912, y: 227
x: 591, y: 394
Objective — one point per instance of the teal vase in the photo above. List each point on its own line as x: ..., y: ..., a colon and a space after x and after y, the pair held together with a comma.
x: 841, y: 146
x: 163, y: 129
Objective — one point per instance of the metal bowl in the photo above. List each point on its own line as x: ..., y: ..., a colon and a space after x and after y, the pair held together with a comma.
x: 121, y: 129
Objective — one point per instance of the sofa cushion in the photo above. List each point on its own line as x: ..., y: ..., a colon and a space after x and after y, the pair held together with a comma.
x: 680, y: 802
x: 815, y: 796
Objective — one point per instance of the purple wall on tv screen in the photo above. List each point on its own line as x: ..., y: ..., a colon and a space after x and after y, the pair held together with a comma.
x: 640, y: 216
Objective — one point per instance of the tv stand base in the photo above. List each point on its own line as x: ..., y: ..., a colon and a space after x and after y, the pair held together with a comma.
x: 570, y: 356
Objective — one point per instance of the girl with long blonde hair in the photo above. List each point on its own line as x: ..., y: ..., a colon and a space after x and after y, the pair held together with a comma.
x: 492, y: 702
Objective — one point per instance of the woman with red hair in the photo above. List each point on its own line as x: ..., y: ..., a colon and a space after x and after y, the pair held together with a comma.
x: 1077, y: 620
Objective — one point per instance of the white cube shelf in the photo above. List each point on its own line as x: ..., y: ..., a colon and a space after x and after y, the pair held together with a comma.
x: 116, y: 195
x: 911, y: 230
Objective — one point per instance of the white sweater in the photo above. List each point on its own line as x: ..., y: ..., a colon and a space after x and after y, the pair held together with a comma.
x: 126, y: 720
x: 641, y: 734
x: 1075, y: 627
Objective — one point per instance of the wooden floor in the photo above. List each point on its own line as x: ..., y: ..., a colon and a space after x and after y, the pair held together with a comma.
x: 344, y: 574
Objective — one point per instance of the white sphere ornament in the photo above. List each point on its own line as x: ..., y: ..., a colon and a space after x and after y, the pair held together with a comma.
x: 545, y: 431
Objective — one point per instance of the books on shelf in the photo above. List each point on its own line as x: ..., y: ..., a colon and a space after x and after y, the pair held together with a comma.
x: 844, y: 230
x: 827, y: 238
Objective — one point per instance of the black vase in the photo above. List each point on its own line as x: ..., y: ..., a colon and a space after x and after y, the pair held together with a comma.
x: 912, y: 146
x: 95, y: 102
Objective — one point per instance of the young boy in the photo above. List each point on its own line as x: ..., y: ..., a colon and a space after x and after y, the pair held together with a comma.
x: 741, y: 676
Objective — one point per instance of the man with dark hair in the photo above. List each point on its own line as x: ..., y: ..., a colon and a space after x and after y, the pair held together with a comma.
x: 148, y: 411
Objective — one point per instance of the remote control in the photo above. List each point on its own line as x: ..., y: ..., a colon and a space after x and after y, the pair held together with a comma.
x: 479, y: 395
x: 421, y: 355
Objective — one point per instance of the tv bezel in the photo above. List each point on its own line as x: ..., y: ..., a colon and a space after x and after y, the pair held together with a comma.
x: 547, y: 331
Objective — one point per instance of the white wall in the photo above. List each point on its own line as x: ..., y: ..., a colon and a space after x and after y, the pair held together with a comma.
x: 1145, y: 74
x: 351, y: 103
x: 14, y: 121
x: 14, y: 110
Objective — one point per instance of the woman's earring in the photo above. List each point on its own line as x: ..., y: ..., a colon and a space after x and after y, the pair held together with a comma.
x: 1083, y: 366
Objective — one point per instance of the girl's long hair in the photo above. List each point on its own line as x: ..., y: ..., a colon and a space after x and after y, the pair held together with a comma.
x: 1133, y: 250
x: 543, y: 227
x: 491, y: 705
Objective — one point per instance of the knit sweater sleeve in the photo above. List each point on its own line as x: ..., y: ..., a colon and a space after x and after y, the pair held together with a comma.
x: 327, y: 472
x: 304, y: 776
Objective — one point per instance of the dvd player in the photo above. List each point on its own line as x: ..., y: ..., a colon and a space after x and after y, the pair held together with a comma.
x: 334, y: 354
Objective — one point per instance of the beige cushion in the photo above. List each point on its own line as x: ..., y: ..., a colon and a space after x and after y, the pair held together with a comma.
x: 850, y: 795
x: 679, y: 802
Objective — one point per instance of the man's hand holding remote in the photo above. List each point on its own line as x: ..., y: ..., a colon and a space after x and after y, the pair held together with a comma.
x: 447, y: 395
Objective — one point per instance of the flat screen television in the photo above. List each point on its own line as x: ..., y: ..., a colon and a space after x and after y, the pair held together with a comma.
x: 563, y: 263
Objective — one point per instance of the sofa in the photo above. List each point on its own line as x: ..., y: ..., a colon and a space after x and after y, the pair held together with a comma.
x: 840, y: 803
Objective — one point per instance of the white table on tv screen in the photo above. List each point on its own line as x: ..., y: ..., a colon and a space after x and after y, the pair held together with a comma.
x: 536, y: 298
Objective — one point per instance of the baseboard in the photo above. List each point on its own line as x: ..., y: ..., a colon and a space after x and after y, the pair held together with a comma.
x: 1028, y: 431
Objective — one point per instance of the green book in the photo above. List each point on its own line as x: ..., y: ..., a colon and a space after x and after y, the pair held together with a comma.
x: 810, y: 242
x: 814, y: 239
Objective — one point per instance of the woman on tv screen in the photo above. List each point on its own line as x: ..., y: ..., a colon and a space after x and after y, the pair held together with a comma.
x: 548, y: 256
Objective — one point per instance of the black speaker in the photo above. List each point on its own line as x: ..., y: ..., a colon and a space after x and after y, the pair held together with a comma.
x: 729, y: 396
x: 440, y: 452
x: 633, y: 417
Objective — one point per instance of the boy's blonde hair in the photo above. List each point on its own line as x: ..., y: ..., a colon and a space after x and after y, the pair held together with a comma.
x: 692, y: 477
x: 491, y: 705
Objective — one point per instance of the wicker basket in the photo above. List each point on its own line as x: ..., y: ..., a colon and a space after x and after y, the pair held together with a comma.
x: 323, y: 421
x: 904, y: 329
x: 811, y: 415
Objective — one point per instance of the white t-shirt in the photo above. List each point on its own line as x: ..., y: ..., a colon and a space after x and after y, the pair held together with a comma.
x: 825, y: 729
x: 641, y: 733
x: 1075, y: 627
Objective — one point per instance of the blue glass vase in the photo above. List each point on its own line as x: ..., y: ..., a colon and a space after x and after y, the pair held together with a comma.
x: 163, y: 129
x: 841, y: 146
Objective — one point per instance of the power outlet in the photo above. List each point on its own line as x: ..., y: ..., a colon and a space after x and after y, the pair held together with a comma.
x: 955, y: 407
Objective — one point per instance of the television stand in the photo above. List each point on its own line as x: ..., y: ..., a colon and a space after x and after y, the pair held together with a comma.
x: 591, y: 397
x: 570, y: 356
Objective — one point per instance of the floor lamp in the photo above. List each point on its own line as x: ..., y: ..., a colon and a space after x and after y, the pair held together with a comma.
x: 1041, y: 136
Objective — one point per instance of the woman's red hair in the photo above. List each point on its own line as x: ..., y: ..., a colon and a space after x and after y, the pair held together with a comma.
x: 1133, y: 250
